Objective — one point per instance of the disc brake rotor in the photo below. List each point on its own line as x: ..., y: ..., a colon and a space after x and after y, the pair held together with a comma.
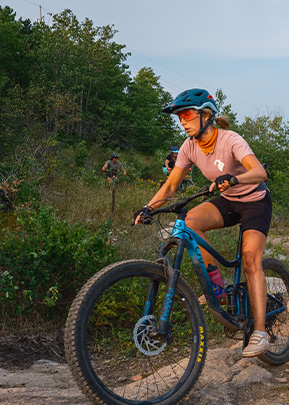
x: 145, y: 337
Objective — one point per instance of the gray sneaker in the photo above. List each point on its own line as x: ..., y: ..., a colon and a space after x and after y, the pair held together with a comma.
x: 258, y: 344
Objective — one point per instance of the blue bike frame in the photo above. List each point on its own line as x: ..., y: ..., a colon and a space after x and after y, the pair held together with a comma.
x: 186, y: 238
x: 192, y: 242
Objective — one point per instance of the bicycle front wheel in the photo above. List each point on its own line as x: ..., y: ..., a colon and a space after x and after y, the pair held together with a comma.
x: 277, y: 327
x: 112, y: 349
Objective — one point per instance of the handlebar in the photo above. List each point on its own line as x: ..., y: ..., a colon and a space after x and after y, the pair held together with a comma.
x: 179, y: 205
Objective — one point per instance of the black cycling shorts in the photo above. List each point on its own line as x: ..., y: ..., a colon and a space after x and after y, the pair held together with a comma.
x: 254, y: 215
x: 110, y: 174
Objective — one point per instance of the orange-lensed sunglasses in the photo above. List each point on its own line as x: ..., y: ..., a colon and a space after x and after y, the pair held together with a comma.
x: 187, y: 115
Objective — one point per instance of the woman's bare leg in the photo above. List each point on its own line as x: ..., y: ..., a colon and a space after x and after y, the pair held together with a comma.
x: 202, y: 218
x: 254, y: 243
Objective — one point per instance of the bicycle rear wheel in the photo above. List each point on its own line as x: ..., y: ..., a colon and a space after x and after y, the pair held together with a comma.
x: 111, y: 350
x: 277, y: 327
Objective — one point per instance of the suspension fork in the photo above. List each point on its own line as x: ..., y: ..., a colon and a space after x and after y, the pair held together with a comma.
x: 154, y: 285
x: 151, y: 297
x: 173, y: 274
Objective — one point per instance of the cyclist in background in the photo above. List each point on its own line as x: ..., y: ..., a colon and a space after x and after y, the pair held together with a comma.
x: 170, y: 160
x: 226, y: 159
x: 111, y: 167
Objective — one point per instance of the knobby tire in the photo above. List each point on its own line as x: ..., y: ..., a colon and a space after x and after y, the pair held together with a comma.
x: 277, y: 328
x: 100, y: 346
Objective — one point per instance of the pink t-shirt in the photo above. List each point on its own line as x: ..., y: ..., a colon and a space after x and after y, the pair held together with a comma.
x: 226, y: 158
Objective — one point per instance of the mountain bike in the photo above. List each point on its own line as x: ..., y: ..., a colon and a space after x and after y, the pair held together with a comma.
x: 186, y: 183
x: 111, y: 177
x: 136, y: 334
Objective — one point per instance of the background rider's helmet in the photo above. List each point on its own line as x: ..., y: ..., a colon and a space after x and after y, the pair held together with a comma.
x: 114, y: 155
x: 193, y: 98
x: 174, y: 149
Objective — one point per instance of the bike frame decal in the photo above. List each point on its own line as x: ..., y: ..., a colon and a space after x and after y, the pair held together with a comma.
x: 168, y: 304
x: 147, y: 307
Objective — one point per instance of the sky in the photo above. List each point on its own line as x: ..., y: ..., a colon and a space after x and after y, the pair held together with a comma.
x: 239, y: 46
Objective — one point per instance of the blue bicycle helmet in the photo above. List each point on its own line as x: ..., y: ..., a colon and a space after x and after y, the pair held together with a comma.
x: 174, y: 149
x: 115, y: 155
x: 197, y: 99
x: 193, y: 98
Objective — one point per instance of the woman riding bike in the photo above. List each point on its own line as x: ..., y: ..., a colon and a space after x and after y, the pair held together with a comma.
x: 226, y: 159
x: 170, y: 160
x: 111, y: 167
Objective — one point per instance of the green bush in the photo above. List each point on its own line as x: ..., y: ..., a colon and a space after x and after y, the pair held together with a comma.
x: 280, y: 197
x: 44, y: 260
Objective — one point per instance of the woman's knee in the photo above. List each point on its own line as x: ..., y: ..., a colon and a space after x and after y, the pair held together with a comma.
x: 193, y: 223
x: 254, y: 243
x: 252, y: 261
x: 204, y: 217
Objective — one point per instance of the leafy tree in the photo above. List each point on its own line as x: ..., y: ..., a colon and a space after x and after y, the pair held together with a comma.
x: 16, y: 69
x: 79, y: 89
x: 15, y: 60
x: 150, y: 128
x: 269, y: 138
x: 82, y: 70
x: 226, y: 109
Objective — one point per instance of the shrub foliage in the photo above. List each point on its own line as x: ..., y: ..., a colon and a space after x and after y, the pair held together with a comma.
x: 44, y: 259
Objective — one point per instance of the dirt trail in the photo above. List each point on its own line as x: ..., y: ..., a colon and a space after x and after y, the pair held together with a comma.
x: 226, y: 379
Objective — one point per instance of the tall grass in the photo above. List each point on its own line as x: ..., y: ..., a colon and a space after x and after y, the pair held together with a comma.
x: 97, y: 202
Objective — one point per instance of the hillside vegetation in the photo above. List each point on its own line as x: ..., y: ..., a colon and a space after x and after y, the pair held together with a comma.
x: 67, y: 101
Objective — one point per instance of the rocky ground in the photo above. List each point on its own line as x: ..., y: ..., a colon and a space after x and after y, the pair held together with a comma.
x: 40, y: 376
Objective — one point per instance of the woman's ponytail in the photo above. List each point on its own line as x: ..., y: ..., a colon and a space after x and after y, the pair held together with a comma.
x: 222, y: 122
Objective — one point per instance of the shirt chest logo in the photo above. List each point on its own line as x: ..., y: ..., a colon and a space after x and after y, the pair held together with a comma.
x: 219, y: 164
